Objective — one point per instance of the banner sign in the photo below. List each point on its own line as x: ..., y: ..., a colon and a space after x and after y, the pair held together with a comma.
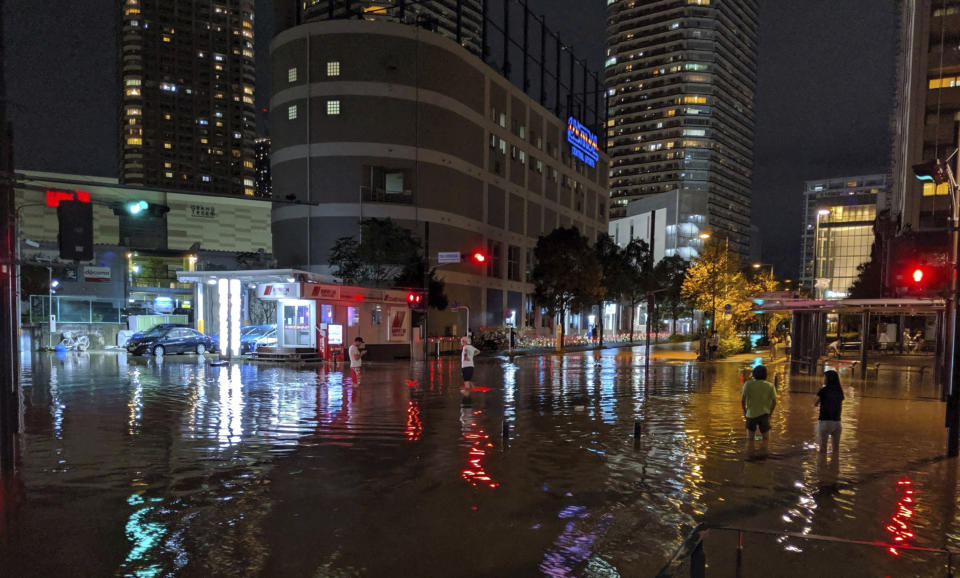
x: 583, y: 143
x: 276, y: 291
x: 398, y: 327
x: 96, y: 274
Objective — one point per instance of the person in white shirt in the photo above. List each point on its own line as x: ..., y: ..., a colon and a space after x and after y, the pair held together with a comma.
x: 466, y: 366
x: 357, y: 351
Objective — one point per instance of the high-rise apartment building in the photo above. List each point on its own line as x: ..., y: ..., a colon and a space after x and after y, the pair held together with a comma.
x: 263, y: 183
x: 928, y: 106
x: 681, y: 76
x: 461, y: 20
x: 187, y: 114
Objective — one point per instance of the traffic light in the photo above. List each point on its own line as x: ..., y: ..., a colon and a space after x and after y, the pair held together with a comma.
x: 932, y: 171
x: 414, y: 299
x: 75, y: 237
x: 917, y: 275
x: 137, y: 207
x: 478, y: 257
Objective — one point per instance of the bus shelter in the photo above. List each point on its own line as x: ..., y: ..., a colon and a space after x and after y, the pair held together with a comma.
x: 861, y: 331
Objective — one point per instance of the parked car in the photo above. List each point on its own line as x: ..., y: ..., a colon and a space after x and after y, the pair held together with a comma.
x: 253, y: 337
x: 161, y: 340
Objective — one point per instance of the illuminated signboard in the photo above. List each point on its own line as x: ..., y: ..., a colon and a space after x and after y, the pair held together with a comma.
x: 583, y: 143
x: 335, y: 334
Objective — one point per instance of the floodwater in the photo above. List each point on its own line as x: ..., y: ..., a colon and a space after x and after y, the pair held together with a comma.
x: 141, y: 467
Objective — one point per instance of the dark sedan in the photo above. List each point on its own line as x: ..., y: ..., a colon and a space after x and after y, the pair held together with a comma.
x: 162, y: 340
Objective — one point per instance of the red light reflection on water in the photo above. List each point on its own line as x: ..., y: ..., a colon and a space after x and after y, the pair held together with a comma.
x: 414, y: 423
x: 899, y: 526
x: 480, y: 444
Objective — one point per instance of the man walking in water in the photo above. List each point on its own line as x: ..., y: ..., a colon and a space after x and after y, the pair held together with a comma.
x: 357, y: 351
x: 466, y: 368
x: 758, y: 398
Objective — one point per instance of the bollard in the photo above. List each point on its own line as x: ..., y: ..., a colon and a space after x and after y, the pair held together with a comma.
x: 637, y: 430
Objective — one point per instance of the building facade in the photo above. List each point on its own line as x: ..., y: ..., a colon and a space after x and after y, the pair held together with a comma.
x: 263, y: 183
x: 838, y: 231
x: 187, y: 77
x: 460, y: 20
x: 136, y: 256
x: 927, y: 106
x: 651, y: 219
x: 380, y: 119
x: 681, y: 77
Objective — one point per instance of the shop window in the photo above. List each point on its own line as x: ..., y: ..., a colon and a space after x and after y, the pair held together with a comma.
x: 353, y: 316
x: 326, y: 314
x: 376, y: 316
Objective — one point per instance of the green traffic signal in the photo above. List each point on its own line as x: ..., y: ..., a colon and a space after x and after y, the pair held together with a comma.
x: 137, y: 207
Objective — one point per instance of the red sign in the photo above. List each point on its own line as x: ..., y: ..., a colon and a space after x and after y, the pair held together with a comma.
x: 54, y: 197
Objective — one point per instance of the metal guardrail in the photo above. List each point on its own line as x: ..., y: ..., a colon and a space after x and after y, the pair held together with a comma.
x: 692, y: 548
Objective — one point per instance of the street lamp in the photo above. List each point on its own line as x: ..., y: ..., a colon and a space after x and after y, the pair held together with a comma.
x: 939, y: 172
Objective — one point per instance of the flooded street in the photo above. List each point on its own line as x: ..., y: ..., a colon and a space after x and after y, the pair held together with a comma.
x: 130, y: 466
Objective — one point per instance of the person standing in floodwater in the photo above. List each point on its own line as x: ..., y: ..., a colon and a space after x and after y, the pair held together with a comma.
x: 357, y: 351
x: 830, y: 400
x: 466, y: 367
x: 758, y: 398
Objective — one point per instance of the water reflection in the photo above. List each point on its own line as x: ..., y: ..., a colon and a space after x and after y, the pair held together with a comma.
x: 231, y: 465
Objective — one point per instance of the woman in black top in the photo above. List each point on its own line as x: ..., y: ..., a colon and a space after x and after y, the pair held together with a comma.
x: 830, y: 400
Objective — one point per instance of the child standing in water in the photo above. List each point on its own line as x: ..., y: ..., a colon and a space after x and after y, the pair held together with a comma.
x: 466, y: 367
x: 830, y: 400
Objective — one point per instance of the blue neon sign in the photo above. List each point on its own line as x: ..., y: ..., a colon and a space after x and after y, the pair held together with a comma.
x: 583, y: 143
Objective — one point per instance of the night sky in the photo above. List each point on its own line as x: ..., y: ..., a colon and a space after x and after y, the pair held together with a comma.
x: 824, y: 95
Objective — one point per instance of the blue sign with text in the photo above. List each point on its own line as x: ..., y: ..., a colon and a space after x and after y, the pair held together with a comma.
x: 583, y: 143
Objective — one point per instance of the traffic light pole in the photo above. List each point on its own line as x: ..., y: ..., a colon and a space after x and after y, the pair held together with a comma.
x: 953, y: 368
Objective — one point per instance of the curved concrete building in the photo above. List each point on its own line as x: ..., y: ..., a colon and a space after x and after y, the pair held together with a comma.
x: 381, y: 119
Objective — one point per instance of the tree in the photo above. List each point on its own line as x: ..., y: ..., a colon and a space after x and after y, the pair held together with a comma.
x: 670, y: 273
x: 613, y: 263
x: 638, y: 275
x: 384, y: 251
x: 713, y: 283
x: 566, y: 273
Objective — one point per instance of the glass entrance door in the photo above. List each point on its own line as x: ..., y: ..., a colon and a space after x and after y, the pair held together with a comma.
x: 296, y: 320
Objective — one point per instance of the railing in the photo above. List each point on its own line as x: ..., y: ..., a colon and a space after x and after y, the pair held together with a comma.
x: 378, y: 195
x: 73, y: 310
x: 692, y: 550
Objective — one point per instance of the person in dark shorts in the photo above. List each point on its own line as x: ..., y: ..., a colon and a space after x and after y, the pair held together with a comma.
x: 466, y: 366
x: 758, y: 398
x: 830, y: 400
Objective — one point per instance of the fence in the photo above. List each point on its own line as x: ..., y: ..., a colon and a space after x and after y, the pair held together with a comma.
x: 73, y: 310
x: 692, y: 554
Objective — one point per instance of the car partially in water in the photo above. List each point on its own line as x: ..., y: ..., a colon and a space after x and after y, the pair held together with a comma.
x: 163, y: 339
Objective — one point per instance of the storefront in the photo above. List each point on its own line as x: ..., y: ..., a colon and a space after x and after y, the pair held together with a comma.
x: 308, y: 311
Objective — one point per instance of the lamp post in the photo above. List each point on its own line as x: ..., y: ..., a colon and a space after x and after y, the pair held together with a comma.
x: 939, y: 172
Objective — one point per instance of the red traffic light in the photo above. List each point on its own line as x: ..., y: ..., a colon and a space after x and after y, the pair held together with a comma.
x: 414, y: 299
x: 917, y: 275
x: 479, y: 257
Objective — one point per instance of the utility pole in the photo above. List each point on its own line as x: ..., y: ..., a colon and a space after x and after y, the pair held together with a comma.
x: 9, y: 300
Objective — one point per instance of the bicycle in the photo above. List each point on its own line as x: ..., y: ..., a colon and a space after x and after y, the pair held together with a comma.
x: 80, y: 342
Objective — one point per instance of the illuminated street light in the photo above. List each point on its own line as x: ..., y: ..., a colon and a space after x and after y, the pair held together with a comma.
x: 704, y: 235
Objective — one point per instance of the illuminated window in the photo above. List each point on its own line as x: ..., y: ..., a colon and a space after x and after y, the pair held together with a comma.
x: 694, y: 100
x: 167, y: 145
x: 168, y: 174
x: 333, y: 68
x: 248, y: 164
x: 165, y: 38
x: 134, y: 141
x: 167, y: 116
x: 333, y: 107
x: 132, y: 92
x: 291, y: 112
x: 133, y: 82
x: 291, y: 75
x: 931, y: 189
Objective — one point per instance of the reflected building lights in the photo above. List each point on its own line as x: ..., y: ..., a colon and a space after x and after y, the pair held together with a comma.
x: 135, y: 405
x: 899, y: 526
x: 414, y: 427
x: 474, y: 473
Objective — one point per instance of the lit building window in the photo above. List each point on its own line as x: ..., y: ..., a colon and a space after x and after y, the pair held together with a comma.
x: 333, y: 68
x: 132, y: 92
x: 292, y: 112
x: 205, y: 178
x: 133, y: 82
x: 333, y: 107
x: 168, y: 175
x: 134, y: 141
x: 291, y: 75
x: 167, y: 145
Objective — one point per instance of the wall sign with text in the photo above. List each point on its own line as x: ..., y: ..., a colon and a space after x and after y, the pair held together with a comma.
x: 583, y: 143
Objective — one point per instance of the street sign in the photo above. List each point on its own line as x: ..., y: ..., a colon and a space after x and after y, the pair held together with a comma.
x: 448, y: 257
